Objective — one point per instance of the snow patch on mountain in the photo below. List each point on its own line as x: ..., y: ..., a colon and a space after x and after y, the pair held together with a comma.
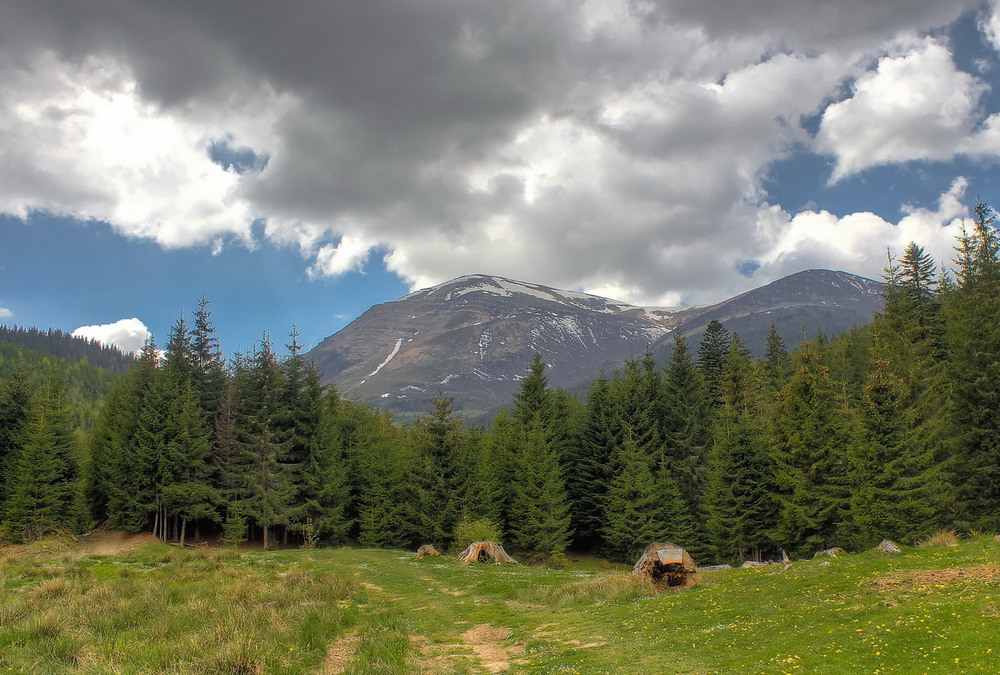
x: 395, y: 350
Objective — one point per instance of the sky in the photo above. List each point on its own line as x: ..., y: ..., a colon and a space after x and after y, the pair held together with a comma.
x: 296, y: 163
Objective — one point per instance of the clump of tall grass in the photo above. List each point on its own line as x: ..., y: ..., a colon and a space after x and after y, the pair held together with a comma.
x: 943, y: 537
x: 602, y: 590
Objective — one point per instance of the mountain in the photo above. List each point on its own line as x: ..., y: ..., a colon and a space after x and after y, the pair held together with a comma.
x: 801, y: 306
x: 473, y: 337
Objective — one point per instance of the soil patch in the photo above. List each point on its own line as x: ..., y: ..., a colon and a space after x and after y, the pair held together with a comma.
x: 112, y: 542
x: 339, y: 655
x: 909, y: 580
x: 485, y: 642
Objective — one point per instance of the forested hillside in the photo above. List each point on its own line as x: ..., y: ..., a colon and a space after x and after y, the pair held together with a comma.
x: 887, y: 431
x: 55, y: 342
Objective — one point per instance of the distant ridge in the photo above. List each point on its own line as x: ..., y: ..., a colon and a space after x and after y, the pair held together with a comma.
x: 474, y: 336
x: 56, y: 342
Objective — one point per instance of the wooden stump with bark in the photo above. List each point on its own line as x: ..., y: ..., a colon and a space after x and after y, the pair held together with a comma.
x: 426, y: 550
x: 667, y: 566
x: 485, y: 551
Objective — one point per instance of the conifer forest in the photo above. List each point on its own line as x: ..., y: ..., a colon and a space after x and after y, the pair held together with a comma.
x: 889, y: 431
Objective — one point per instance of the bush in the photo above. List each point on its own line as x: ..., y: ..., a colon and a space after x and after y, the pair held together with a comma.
x: 470, y: 531
x: 944, y: 537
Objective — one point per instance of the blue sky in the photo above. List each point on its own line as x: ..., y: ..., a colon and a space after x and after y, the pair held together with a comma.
x: 298, y: 165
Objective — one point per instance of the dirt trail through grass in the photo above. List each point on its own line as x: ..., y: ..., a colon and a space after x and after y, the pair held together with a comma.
x: 455, y: 618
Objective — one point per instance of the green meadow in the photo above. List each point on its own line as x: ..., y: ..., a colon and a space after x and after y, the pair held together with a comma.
x: 162, y: 609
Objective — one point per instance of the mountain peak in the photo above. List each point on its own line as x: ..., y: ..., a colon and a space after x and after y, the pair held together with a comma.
x: 474, y: 335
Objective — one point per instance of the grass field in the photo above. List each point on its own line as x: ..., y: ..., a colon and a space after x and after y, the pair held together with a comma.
x: 160, y: 609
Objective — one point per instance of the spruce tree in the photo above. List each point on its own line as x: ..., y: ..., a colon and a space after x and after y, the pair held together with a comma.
x: 632, y: 508
x: 539, y: 506
x: 891, y: 475
x: 712, y: 351
x: 807, y: 450
x: 587, y: 468
x: 739, y: 499
x: 324, y: 475
x: 43, y: 473
x: 15, y: 403
x: 686, y: 422
x: 973, y: 314
x: 264, y: 439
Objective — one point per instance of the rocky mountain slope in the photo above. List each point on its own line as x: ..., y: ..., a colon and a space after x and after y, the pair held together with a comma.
x: 474, y: 336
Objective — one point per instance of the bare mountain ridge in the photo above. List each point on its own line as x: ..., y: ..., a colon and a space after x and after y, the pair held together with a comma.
x: 473, y: 336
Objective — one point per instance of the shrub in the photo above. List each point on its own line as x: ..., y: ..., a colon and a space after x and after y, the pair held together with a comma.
x: 943, y: 537
x: 470, y: 531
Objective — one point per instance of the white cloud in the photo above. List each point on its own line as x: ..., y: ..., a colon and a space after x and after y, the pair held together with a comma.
x: 613, y: 147
x: 858, y: 241
x: 127, y: 334
x: 990, y: 24
x: 5, y: 313
x: 916, y: 105
x: 80, y: 140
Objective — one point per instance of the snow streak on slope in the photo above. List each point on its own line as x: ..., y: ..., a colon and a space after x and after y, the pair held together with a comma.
x: 395, y: 350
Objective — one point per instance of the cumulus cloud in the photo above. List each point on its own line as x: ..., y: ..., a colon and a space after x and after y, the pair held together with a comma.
x: 916, y: 105
x: 5, y: 313
x: 127, y: 334
x: 608, y: 146
x: 857, y: 241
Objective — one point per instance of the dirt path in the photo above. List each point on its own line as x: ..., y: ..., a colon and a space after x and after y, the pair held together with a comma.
x: 112, y: 542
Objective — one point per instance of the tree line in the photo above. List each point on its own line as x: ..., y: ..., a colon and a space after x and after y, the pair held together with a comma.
x: 888, y: 431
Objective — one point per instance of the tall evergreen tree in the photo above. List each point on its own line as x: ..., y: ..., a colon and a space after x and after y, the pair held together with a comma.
x: 809, y: 464
x: 891, y: 476
x: 686, y: 421
x: 632, y: 508
x: 587, y: 467
x: 266, y: 487
x: 43, y: 475
x: 712, y: 351
x: 739, y: 498
x: 973, y: 313
x: 539, y: 505
x: 15, y: 403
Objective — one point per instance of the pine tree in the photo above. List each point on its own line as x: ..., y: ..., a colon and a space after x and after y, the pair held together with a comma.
x: 494, y: 472
x: 539, y: 506
x: 301, y: 404
x: 266, y: 489
x: 632, y: 509
x: 973, y: 314
x: 206, y: 357
x: 686, y: 420
x: 438, y: 486
x: 43, y: 473
x: 15, y: 403
x: 534, y: 398
x: 712, y: 351
x: 739, y: 496
x: 587, y: 468
x: 890, y: 474
x: 809, y: 463
x: 324, y: 475
x: 777, y: 364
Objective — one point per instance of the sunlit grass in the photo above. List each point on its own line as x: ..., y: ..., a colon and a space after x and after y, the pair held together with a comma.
x: 167, y: 610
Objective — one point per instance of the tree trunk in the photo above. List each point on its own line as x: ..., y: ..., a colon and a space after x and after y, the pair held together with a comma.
x: 265, y: 528
x: 184, y: 523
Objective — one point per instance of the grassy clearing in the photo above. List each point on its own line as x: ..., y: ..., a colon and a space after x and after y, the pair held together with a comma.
x: 166, y: 610
x: 160, y: 609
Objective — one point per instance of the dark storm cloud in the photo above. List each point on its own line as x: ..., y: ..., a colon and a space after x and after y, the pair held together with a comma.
x: 603, y: 144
